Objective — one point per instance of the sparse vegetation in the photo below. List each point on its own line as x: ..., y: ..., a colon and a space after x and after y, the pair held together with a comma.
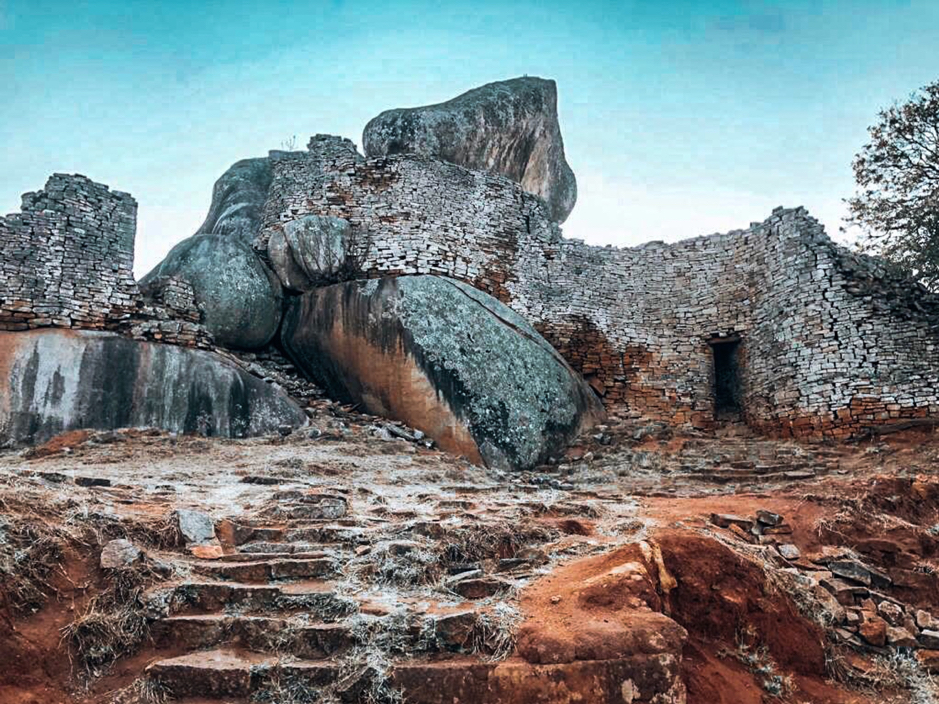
x: 30, y: 551
x: 141, y: 691
x: 402, y: 564
x: 114, y: 622
x: 898, y: 671
x: 495, y: 631
x: 758, y: 661
x: 897, y: 174
x: 489, y: 541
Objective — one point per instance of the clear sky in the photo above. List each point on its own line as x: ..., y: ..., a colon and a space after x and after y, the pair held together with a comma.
x: 679, y: 118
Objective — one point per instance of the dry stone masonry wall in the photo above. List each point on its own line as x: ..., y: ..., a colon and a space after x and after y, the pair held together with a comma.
x: 68, y: 260
x: 68, y: 257
x: 828, y: 342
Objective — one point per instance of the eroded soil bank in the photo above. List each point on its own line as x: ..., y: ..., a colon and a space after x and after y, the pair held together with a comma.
x: 350, y: 563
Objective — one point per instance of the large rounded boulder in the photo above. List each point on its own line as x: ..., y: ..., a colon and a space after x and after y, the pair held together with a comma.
x: 240, y: 297
x: 310, y: 251
x: 444, y: 358
x: 238, y: 200
x: 507, y: 127
x: 59, y: 380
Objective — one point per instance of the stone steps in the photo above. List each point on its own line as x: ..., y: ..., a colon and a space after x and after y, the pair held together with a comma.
x: 324, y: 532
x: 208, y: 597
x: 268, y: 570
x: 218, y: 676
x: 310, y: 641
x: 227, y: 672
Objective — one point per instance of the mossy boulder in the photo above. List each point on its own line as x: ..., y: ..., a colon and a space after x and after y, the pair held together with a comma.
x: 445, y: 358
x: 240, y: 297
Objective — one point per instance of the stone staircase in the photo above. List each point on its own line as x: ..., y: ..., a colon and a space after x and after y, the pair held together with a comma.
x: 268, y: 611
x: 277, y: 613
x: 310, y: 602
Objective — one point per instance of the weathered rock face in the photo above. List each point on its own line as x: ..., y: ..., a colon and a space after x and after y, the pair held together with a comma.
x: 444, y: 358
x: 239, y: 295
x: 57, y: 380
x: 508, y: 127
x: 309, y: 251
x: 238, y: 200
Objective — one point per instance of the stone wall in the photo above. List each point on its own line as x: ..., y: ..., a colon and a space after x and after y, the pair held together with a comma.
x: 68, y: 257
x: 829, y: 343
x: 68, y: 260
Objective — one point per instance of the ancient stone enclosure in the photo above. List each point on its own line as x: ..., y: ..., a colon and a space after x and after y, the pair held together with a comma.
x: 378, y: 432
x: 774, y: 325
x: 827, y: 342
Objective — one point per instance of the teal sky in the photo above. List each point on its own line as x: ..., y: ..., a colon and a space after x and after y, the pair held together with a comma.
x: 679, y: 118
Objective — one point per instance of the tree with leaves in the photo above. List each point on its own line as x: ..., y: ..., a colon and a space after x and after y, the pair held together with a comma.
x: 897, y: 173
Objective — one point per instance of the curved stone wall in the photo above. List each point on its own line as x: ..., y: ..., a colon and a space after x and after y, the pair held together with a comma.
x: 829, y: 343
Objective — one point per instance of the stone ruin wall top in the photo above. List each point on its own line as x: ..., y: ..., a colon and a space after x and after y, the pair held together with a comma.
x: 830, y: 343
x: 68, y: 260
x: 68, y: 257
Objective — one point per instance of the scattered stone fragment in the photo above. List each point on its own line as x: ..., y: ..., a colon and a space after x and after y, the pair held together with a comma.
x: 54, y: 477
x: 900, y: 637
x: 929, y: 639
x: 831, y: 604
x: 890, y: 612
x: 741, y: 533
x: 873, y: 629
x: 929, y: 660
x: 261, y: 479
x: 455, y: 631
x: 92, y: 481
x: 195, y: 526
x: 479, y: 588
x: 849, y: 569
x: 725, y: 520
x: 783, y: 529
x: 768, y: 518
x: 119, y: 554
x: 210, y: 550
x: 789, y: 551
x: 845, y: 592
x: 924, y: 620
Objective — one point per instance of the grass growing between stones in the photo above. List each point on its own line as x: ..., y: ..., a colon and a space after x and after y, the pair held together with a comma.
x: 30, y: 551
x: 114, y: 622
x: 468, y: 544
x: 140, y: 691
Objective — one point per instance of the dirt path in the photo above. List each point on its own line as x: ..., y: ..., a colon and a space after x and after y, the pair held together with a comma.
x: 602, y: 573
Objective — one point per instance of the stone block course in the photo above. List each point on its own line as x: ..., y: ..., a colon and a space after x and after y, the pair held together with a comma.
x: 831, y: 344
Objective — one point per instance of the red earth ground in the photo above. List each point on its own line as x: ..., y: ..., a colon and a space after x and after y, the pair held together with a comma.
x: 621, y: 581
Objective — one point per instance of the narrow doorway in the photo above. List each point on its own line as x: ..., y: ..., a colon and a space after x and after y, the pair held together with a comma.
x: 727, y: 386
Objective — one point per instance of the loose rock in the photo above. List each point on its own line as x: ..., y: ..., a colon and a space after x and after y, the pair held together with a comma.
x: 119, y: 554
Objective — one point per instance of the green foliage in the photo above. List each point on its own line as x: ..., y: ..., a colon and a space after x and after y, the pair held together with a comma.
x: 897, y: 173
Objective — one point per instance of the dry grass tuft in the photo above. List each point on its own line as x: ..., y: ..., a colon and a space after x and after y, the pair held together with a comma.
x: 401, y: 564
x: 493, y: 541
x: 30, y: 552
x: 140, y: 691
x: 495, y: 631
x: 899, y: 671
x: 114, y: 622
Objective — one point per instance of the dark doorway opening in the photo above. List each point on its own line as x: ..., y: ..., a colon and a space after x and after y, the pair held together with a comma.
x: 727, y: 386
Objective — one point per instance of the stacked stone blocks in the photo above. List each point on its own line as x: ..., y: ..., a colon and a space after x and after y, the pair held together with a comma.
x: 68, y: 262
x: 830, y: 343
